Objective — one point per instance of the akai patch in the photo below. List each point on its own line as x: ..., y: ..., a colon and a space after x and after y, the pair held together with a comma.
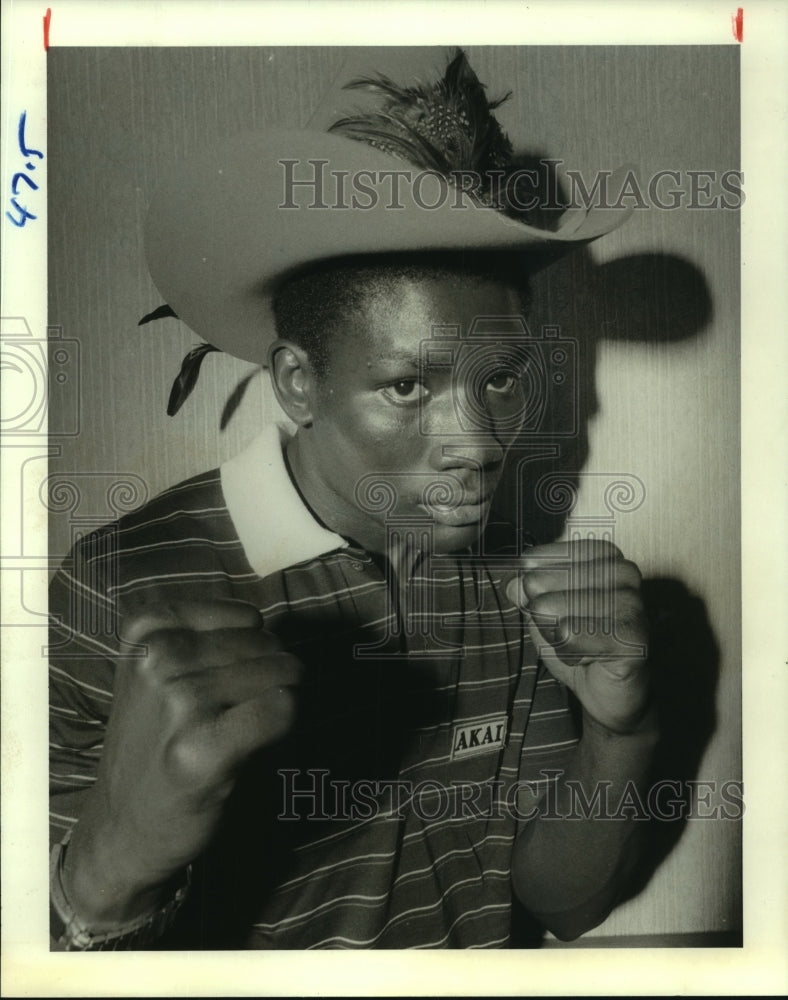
x: 483, y: 736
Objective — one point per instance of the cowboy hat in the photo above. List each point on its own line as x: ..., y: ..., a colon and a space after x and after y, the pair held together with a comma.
x: 227, y: 225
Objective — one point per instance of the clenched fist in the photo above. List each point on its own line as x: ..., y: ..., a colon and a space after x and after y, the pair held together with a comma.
x: 587, y: 621
x: 208, y: 688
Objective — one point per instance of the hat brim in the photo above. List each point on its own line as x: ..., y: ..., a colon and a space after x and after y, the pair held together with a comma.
x: 227, y: 225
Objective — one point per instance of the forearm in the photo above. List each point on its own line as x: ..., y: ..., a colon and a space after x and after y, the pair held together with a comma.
x: 569, y: 868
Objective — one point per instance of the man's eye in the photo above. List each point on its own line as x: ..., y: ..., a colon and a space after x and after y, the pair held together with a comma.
x: 504, y: 383
x: 406, y: 390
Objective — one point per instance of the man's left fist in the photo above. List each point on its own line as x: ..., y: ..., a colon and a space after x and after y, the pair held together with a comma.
x: 586, y: 619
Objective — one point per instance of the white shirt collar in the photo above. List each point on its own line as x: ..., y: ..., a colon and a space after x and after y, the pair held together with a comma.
x: 273, y: 524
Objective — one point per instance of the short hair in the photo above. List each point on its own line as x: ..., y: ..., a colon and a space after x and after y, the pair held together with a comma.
x: 311, y: 305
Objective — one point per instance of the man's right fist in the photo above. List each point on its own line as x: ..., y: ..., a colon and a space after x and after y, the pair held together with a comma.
x: 208, y: 688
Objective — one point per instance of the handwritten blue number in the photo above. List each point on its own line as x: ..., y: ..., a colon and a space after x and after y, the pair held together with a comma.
x: 26, y: 151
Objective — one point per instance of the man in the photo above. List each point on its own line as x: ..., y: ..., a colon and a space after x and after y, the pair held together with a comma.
x: 302, y: 681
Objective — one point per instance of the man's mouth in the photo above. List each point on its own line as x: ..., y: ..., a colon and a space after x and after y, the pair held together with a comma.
x: 471, y: 508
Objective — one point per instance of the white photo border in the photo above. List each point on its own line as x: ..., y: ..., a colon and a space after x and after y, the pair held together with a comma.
x: 29, y: 969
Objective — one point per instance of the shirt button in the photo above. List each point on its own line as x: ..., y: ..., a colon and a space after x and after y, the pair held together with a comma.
x: 359, y: 566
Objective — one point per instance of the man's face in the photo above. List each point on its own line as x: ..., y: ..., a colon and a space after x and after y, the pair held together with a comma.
x: 407, y: 426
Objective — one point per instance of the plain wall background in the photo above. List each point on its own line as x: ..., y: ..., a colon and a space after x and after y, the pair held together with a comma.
x: 663, y: 405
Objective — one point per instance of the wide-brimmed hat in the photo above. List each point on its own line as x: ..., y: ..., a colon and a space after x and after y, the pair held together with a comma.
x: 228, y: 224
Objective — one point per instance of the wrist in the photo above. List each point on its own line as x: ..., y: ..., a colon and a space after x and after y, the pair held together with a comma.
x: 97, y: 883
x: 71, y: 929
x: 632, y: 749
x: 643, y: 726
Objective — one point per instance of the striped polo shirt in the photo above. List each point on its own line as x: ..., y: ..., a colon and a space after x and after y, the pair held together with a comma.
x: 425, y: 731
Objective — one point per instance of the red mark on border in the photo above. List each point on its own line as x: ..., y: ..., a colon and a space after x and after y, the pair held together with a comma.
x: 738, y: 24
x: 47, y: 19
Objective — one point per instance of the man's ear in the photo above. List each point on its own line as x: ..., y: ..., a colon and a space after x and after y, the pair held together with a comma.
x: 293, y: 380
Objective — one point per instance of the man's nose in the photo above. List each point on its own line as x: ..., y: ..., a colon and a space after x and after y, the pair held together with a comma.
x: 462, y: 434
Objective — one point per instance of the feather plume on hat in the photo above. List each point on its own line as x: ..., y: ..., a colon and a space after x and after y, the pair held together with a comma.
x: 446, y: 126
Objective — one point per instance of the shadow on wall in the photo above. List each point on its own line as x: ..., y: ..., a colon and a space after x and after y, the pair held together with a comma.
x: 685, y: 660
